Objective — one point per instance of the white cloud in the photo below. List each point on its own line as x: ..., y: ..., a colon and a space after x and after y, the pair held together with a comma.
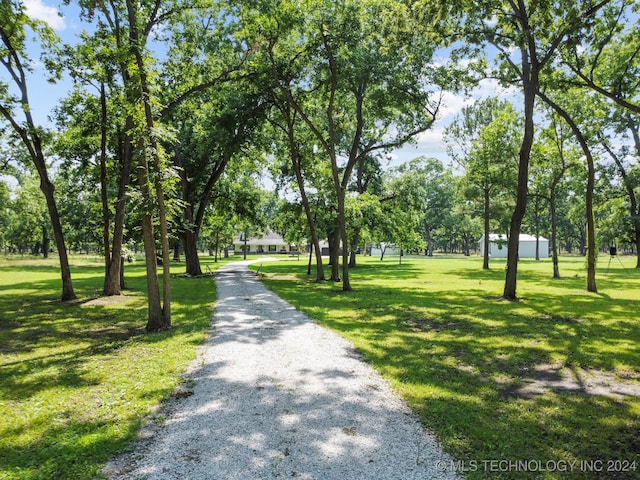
x: 490, y: 87
x: 38, y: 10
x: 452, y: 103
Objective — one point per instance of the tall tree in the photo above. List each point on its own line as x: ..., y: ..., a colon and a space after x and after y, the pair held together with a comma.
x: 554, y: 155
x: 102, y: 60
x: 294, y: 139
x: 216, y: 128
x: 486, y: 135
x: 357, y: 74
x: 625, y: 159
x: 16, y: 62
x: 526, y: 35
x: 572, y: 112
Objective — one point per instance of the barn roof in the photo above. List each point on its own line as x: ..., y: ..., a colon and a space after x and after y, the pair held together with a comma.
x: 524, y: 237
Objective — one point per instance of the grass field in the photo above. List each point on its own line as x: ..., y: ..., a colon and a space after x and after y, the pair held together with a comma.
x: 546, y: 387
x: 550, y: 381
x: 78, y: 379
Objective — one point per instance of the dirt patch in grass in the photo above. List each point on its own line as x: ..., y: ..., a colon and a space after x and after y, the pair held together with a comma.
x: 545, y: 377
x: 112, y: 300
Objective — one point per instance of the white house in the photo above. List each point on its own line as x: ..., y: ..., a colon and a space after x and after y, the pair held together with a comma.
x: 526, y: 249
x: 269, y: 243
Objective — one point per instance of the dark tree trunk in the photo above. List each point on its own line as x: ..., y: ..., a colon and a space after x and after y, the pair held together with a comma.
x: 530, y: 87
x: 334, y: 255
x: 354, y: 247
x: 591, y: 234
x: 190, y: 244
x: 113, y: 283
x: 487, y: 230
x: 48, y: 189
x: 164, y: 321
x: 45, y: 242
x: 106, y: 220
x: 122, y: 283
x: 554, y: 233
x: 311, y: 218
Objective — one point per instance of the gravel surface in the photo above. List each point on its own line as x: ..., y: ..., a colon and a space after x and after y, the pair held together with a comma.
x: 274, y: 395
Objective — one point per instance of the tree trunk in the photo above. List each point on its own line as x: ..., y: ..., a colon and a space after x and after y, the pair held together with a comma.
x: 334, y: 255
x: 114, y: 275
x: 48, y: 189
x: 530, y: 87
x: 155, y: 319
x: 164, y: 322
x: 487, y: 230
x: 45, y: 242
x: 591, y: 227
x: 427, y: 233
x: 106, y: 221
x: 311, y: 218
x: 591, y: 175
x: 191, y: 258
x: 33, y: 144
x: 354, y: 247
x: 122, y: 283
x: 554, y: 233
x: 113, y: 283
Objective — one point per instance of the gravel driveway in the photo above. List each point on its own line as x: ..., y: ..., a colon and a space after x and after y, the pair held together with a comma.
x: 277, y: 396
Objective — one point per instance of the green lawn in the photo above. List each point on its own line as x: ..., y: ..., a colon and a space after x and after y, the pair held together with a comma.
x: 464, y: 359
x: 78, y: 379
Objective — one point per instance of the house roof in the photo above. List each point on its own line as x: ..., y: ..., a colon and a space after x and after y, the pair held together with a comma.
x: 267, y: 239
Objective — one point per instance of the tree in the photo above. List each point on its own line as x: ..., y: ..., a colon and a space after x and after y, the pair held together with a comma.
x: 572, y: 117
x: 486, y: 133
x: 605, y: 58
x: 625, y: 160
x: 527, y: 36
x: 14, y: 59
x: 5, y: 213
x: 102, y: 61
x: 357, y: 75
x: 554, y: 155
x: 28, y: 224
x: 215, y: 129
x: 300, y: 152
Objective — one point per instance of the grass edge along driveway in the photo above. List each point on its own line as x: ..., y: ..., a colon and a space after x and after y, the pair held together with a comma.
x: 541, y: 388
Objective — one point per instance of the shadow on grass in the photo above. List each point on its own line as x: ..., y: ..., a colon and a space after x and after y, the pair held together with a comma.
x: 66, y: 449
x: 76, y: 379
x: 457, y: 355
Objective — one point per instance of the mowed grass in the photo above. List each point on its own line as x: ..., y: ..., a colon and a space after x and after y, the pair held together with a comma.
x: 436, y: 329
x: 78, y: 379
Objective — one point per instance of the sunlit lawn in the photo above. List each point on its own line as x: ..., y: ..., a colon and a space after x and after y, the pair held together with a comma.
x: 77, y: 379
x: 436, y: 330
